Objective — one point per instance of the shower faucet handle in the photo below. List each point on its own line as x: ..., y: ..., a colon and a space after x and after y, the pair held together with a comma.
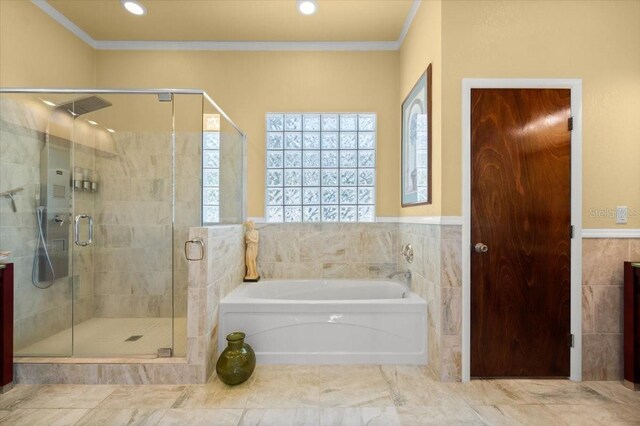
x: 59, y: 219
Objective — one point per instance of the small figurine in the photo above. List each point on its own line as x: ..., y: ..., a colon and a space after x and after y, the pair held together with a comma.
x: 251, y: 238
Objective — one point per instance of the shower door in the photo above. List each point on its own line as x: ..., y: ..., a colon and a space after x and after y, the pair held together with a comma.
x: 99, y: 190
x: 123, y: 177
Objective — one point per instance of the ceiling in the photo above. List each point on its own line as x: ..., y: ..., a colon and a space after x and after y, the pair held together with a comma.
x: 239, y: 20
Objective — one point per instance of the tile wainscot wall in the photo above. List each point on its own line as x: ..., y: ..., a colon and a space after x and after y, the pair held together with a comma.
x: 371, y: 250
x: 314, y: 250
x: 602, y: 305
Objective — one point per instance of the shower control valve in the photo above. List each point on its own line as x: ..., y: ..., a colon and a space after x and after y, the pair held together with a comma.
x: 59, y: 219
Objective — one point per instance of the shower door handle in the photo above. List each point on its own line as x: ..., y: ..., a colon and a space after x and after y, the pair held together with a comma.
x: 77, y: 230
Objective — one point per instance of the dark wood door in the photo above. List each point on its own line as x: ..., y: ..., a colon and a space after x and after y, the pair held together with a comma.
x: 520, y: 209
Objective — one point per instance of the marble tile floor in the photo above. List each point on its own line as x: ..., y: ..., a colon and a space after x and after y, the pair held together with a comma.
x: 105, y: 337
x: 327, y: 395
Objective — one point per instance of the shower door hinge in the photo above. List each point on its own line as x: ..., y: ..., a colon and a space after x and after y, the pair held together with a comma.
x: 165, y: 97
x: 165, y: 353
x: 570, y: 123
x: 572, y: 341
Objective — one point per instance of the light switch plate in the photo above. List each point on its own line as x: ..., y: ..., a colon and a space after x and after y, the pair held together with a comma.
x: 621, y: 215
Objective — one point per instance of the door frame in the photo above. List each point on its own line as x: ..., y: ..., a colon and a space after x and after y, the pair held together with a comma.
x: 575, y: 85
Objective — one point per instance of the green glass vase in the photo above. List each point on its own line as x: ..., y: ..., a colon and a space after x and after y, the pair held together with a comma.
x: 237, y: 361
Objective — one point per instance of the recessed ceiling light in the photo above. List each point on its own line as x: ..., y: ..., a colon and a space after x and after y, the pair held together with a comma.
x: 92, y: 122
x: 110, y: 130
x: 134, y: 7
x: 46, y: 102
x: 307, y: 7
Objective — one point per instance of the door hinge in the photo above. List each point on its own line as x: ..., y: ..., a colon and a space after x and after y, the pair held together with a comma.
x: 571, y: 231
x: 570, y: 123
x: 572, y: 340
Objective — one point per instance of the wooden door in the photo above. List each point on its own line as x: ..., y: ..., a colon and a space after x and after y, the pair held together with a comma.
x: 520, y: 210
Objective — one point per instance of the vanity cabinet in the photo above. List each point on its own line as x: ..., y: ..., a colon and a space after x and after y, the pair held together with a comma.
x: 632, y: 325
x: 6, y: 326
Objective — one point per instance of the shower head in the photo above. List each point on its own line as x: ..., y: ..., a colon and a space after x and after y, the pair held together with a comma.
x: 86, y: 105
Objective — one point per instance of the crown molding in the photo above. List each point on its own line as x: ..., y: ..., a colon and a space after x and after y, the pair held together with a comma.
x: 65, y: 22
x: 247, y: 46
x: 407, y: 23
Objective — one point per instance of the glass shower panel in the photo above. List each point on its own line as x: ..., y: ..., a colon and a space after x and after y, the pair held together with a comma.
x: 232, y: 183
x: 222, y: 168
x: 123, y: 180
x: 188, y: 128
x: 35, y: 204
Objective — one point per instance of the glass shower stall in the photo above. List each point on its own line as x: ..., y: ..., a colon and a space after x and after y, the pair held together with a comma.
x: 98, y: 191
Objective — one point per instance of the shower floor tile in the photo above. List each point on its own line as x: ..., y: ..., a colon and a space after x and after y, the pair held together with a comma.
x: 107, y: 337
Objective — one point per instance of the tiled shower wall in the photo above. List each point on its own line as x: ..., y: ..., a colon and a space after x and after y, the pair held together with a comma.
x: 133, y: 254
x: 132, y: 268
x: 602, y: 303
x: 39, y: 313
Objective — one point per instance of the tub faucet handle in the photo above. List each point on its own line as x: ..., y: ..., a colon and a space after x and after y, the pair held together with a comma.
x: 407, y: 252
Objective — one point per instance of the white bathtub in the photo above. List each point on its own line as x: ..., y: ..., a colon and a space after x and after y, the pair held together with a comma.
x: 327, y: 322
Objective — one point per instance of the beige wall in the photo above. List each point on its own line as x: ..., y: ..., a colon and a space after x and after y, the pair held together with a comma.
x: 421, y: 47
x: 36, y: 51
x: 245, y: 84
x: 249, y: 84
x: 597, y: 41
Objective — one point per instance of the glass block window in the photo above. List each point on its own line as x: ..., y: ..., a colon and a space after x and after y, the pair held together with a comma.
x: 320, y: 167
x: 211, y: 168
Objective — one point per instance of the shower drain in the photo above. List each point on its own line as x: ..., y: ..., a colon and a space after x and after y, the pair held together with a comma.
x: 133, y: 338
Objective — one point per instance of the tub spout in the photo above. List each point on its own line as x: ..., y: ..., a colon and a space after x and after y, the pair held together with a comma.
x: 407, y: 276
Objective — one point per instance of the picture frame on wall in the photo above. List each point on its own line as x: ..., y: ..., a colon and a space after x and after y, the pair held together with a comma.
x: 416, y: 143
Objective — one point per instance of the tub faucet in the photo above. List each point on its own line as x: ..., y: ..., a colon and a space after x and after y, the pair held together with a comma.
x: 407, y: 276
